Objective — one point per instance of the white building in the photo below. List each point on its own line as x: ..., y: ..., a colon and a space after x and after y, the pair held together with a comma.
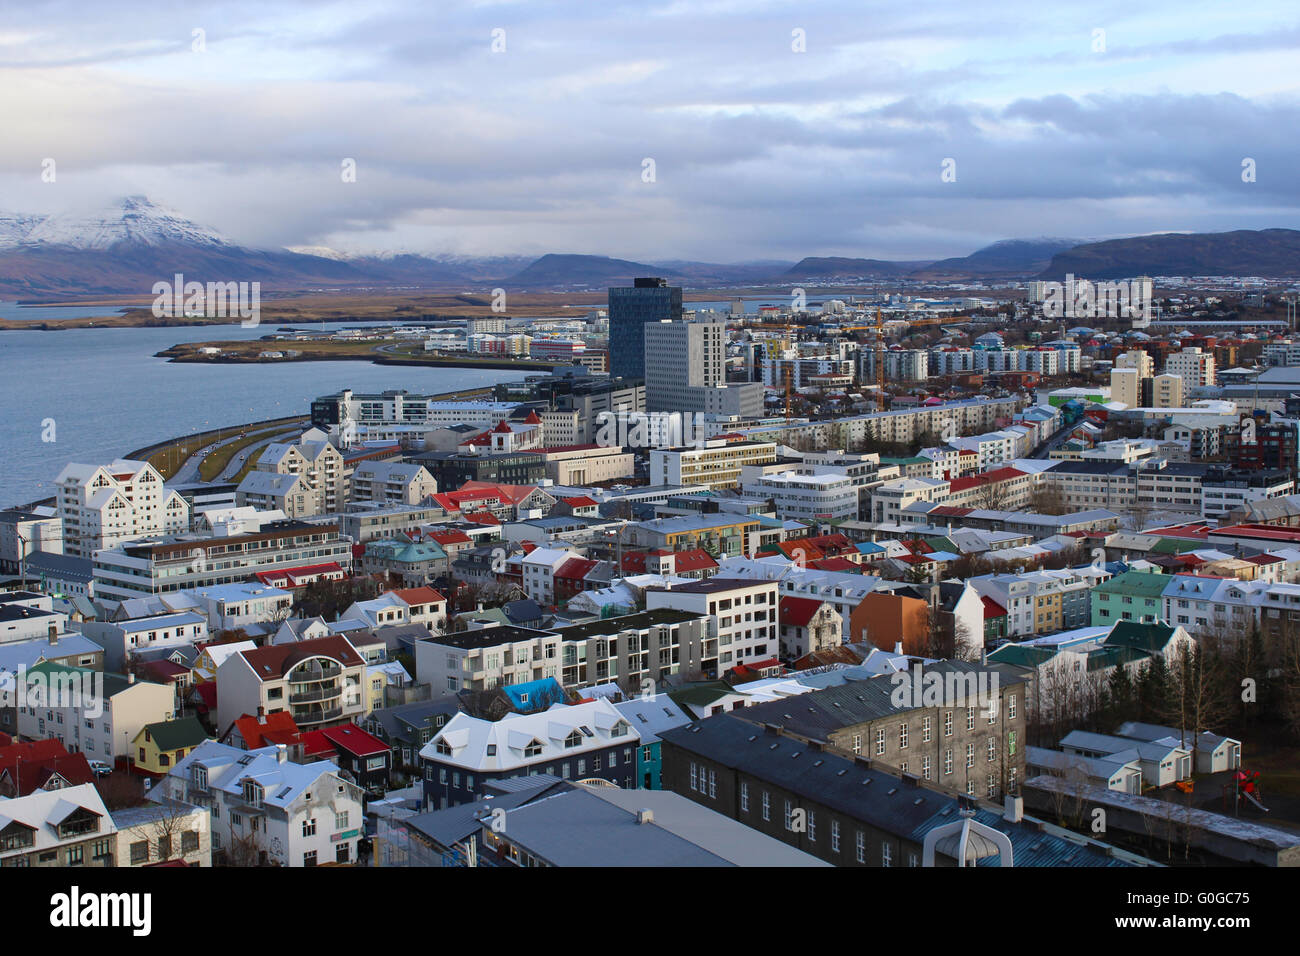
x: 105, y: 506
x: 823, y: 495
x: 267, y: 809
x: 742, y: 615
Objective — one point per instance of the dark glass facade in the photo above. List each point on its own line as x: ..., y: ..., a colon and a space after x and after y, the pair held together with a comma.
x: 647, y: 300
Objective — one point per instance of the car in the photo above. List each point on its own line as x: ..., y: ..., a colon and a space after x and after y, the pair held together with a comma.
x: 99, y: 768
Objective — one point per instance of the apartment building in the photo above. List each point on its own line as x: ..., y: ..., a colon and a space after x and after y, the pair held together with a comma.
x: 192, y: 561
x: 89, y: 711
x: 971, y: 740
x: 268, y: 810
x: 1193, y: 365
x: 104, y: 506
x: 717, y: 464
x: 721, y: 534
x: 587, y: 741
x: 629, y: 649
x: 123, y: 640
x: 164, y: 831
x: 743, y: 615
x: 391, y: 482
x: 823, y: 495
x: 321, y: 682
x: 322, y: 488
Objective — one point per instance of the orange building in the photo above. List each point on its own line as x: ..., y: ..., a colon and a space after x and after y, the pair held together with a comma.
x: 885, y: 620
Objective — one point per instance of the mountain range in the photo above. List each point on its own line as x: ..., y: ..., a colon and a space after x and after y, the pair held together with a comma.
x: 125, y: 248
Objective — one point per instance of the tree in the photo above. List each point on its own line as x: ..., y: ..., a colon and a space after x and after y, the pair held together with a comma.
x: 163, y: 835
x: 1197, y: 699
x: 1046, y: 499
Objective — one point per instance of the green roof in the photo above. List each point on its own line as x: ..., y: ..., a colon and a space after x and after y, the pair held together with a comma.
x: 1021, y: 656
x: 1135, y: 583
x: 1171, y: 546
x: 1143, y: 637
x: 172, y: 735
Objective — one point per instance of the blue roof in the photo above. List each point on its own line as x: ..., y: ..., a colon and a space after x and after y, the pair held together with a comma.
x: 534, y: 694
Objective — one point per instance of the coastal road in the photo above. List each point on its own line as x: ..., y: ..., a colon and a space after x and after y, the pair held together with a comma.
x: 241, y: 456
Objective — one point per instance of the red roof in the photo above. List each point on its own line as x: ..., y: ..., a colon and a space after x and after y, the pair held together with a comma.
x: 574, y: 569
x: 1259, y: 531
x: 348, y: 737
x: 424, y: 595
x: 692, y: 559
x: 837, y: 563
x: 164, y: 671
x: 272, y: 729
x: 452, y: 536
x: 482, y: 517
x: 207, y: 692
x: 273, y: 661
x: 502, y: 428
x: 533, y: 419
x: 635, y: 561
x: 1263, y: 559
x: 580, y: 501
x: 992, y: 608
x: 797, y: 611
x: 30, y: 765
x: 511, y: 493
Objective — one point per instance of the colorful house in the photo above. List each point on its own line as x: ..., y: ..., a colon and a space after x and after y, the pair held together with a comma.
x: 162, y: 745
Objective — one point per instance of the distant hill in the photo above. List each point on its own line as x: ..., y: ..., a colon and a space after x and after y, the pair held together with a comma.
x: 830, y: 267
x: 570, y: 270
x: 1009, y: 258
x: 1245, y: 252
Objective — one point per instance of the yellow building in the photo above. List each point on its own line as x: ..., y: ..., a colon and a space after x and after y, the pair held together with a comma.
x: 160, y: 746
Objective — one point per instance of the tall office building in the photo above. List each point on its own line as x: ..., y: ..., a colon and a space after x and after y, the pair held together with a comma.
x: 648, y: 300
x: 686, y: 370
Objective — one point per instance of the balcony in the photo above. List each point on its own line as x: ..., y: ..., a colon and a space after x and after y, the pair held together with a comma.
x: 307, y: 718
x: 312, y: 696
x: 314, y: 672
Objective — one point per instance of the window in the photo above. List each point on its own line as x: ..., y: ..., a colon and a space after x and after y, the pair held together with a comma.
x: 925, y: 766
x: 767, y: 806
x: 573, y: 740
x: 970, y: 718
x: 880, y: 741
x: 341, y: 820
x: 139, y: 852
x: 744, y: 797
x: 835, y: 836
x: 75, y: 856
x: 857, y: 743
x: 812, y: 826
x: 713, y: 784
x: 860, y: 842
x: 886, y: 855
x: 993, y: 790
x: 947, y: 761
x: 309, y: 858
x: 993, y: 749
x: 970, y: 755
x: 309, y: 827
x: 789, y: 815
x: 947, y: 723
x: 925, y: 729
x: 190, y: 841
x: 1011, y: 706
x: 902, y: 736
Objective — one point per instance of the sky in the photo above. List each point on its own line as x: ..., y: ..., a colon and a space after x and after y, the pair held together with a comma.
x: 773, y: 130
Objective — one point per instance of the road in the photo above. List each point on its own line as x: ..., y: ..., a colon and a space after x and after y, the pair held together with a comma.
x: 241, y: 456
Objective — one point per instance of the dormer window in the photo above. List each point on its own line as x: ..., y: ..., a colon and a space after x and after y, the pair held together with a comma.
x: 200, y: 776
x: 534, y: 749
x: 443, y: 747
x: 253, y: 793
x: 573, y: 740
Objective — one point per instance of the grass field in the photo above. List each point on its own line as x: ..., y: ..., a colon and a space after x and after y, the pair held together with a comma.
x: 248, y: 466
x: 214, y: 464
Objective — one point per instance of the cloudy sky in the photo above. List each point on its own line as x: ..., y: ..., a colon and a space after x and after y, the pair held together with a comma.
x: 1061, y: 119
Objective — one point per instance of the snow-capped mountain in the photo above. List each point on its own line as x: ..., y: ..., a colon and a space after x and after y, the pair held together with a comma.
x: 134, y: 219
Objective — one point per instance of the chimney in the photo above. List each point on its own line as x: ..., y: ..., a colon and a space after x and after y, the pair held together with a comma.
x: 1015, y: 808
x: 773, y: 729
x: 281, y: 753
x: 130, y: 678
x: 261, y: 715
x: 54, y: 634
x: 645, y: 815
x: 898, y: 647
